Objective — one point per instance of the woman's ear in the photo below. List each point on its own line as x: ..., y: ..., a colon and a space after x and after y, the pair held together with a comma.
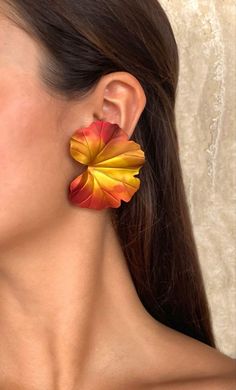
x: 119, y: 98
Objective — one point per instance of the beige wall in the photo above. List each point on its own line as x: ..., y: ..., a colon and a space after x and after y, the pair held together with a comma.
x: 205, y: 31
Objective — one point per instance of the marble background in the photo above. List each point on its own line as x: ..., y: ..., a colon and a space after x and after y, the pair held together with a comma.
x: 205, y: 31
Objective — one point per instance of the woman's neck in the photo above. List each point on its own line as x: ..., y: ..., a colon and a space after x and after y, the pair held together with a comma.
x: 66, y: 301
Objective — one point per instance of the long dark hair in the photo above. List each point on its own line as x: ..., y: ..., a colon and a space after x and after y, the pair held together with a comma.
x: 83, y: 40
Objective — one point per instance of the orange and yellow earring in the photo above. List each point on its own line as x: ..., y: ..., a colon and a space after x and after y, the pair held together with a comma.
x: 112, y: 161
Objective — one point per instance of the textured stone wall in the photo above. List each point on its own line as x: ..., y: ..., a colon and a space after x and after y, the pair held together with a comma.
x: 205, y: 31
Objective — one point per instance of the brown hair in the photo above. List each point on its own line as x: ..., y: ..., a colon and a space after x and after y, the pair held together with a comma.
x: 84, y: 40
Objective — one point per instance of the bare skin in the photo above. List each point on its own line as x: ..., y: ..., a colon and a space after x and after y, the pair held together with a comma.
x: 70, y: 315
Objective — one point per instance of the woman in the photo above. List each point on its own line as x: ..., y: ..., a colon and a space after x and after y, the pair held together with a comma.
x: 109, y: 298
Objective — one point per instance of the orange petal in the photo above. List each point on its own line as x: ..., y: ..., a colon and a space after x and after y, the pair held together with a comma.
x: 112, y: 161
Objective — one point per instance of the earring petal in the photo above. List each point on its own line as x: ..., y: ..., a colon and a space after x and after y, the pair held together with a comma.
x: 112, y: 161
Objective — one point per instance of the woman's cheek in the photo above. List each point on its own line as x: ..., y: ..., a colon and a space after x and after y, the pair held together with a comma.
x: 28, y: 175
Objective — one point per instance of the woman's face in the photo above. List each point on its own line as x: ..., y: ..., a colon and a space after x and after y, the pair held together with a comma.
x: 35, y: 166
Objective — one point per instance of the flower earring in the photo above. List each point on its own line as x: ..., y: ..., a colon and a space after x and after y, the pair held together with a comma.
x: 112, y: 161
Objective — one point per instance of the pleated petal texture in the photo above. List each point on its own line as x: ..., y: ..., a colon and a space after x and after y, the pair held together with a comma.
x: 112, y: 161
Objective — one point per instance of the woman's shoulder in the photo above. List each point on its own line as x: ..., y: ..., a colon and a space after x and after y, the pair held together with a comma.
x: 156, y: 357
x: 217, y: 381
x: 192, y: 364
